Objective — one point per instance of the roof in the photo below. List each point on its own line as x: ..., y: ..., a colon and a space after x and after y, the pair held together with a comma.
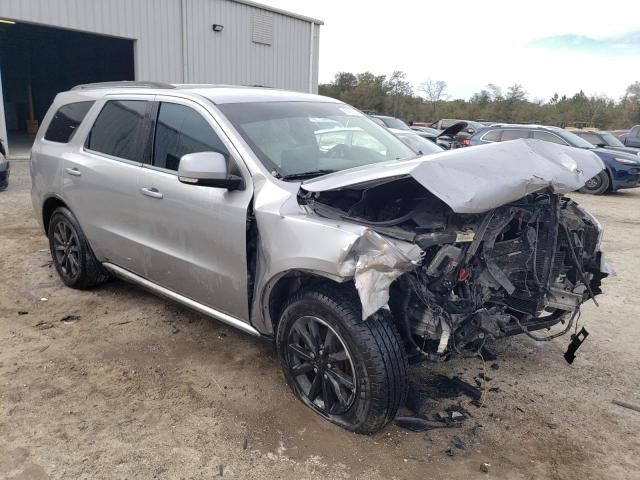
x: 524, y: 125
x: 280, y: 11
x: 218, y: 94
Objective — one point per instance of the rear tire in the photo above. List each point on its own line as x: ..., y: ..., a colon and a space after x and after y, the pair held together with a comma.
x: 597, y: 185
x: 359, y: 367
x: 71, y: 253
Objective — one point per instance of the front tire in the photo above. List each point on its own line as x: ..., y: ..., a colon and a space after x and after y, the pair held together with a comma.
x: 351, y: 372
x: 597, y: 185
x: 71, y: 254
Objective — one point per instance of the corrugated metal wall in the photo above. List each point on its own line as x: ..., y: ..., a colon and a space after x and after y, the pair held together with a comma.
x: 229, y: 56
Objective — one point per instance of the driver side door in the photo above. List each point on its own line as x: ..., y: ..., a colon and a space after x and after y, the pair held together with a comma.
x: 195, y: 235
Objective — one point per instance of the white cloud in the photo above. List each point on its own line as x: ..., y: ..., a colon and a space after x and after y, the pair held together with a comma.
x: 469, y: 43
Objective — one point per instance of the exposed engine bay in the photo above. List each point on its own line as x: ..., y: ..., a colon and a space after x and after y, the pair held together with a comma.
x: 517, y: 268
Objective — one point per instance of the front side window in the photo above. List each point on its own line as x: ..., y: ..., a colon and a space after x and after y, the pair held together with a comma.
x: 573, y: 139
x: 181, y: 130
x: 548, y: 137
x: 286, y: 138
x: 122, y: 130
x: 610, y: 140
x: 66, y: 121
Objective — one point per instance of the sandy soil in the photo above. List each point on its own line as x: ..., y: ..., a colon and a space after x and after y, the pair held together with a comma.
x: 142, y: 388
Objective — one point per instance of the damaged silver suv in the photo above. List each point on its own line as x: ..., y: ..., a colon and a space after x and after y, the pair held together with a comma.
x: 297, y: 218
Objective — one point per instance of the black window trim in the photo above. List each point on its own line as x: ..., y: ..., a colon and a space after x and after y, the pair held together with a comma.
x: 148, y: 164
x: 106, y: 100
x: 73, y: 134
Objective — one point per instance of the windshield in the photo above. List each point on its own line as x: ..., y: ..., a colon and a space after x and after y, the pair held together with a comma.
x: 610, y: 140
x: 420, y: 145
x: 292, y: 138
x: 396, y: 123
x: 573, y: 139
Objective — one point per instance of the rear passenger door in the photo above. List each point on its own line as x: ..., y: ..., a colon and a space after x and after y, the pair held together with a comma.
x: 195, y: 236
x: 101, y: 181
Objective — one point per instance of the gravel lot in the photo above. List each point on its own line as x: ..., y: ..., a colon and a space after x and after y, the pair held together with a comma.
x: 139, y: 387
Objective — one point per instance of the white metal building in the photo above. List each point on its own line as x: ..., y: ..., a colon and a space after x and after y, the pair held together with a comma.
x: 47, y: 46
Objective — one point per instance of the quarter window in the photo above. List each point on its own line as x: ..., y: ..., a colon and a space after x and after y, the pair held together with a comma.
x: 66, y: 120
x: 514, y: 134
x: 122, y: 130
x: 548, y: 137
x: 492, y: 136
x: 181, y: 130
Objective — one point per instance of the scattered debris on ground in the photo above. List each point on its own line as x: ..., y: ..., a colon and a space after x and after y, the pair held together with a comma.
x: 70, y: 319
x: 626, y: 405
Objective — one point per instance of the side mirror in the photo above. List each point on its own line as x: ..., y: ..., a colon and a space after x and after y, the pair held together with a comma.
x: 471, y: 130
x: 601, y: 145
x: 207, y: 169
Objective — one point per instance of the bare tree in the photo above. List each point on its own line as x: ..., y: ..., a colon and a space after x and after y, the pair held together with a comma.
x: 434, y: 91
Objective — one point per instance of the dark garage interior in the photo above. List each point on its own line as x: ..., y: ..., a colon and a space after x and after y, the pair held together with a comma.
x: 37, y: 62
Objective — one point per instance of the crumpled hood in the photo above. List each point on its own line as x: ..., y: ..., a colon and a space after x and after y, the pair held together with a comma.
x: 478, y: 179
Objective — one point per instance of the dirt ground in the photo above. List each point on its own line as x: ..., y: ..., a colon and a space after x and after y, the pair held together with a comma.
x: 138, y: 387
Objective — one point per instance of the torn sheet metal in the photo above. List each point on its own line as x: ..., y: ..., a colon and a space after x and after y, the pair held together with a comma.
x: 375, y: 262
x: 478, y: 179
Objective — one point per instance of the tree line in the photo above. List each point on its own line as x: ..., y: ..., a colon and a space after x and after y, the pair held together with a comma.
x: 394, y: 95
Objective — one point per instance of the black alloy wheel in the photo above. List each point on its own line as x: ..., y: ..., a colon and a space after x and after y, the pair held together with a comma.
x: 321, y: 366
x: 66, y: 249
x: 72, y: 256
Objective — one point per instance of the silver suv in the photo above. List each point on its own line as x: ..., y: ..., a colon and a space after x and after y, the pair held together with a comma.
x: 296, y: 217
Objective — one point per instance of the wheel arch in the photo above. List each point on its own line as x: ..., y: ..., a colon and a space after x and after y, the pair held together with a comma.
x: 280, y: 287
x: 48, y: 207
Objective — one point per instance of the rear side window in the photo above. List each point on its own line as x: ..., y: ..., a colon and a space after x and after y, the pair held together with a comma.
x: 122, y: 130
x: 66, y: 121
x: 492, y: 136
x: 181, y: 130
x: 550, y: 137
x: 514, y: 134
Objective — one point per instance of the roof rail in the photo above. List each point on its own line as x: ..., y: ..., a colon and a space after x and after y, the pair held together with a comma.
x: 122, y: 84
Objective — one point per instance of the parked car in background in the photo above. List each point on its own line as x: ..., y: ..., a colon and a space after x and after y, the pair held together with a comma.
x: 462, y: 134
x: 599, y: 138
x: 426, y: 132
x: 419, y: 144
x: 618, y: 133
x: 5, y: 167
x: 632, y: 138
x: 420, y: 124
x: 622, y: 169
x: 445, y: 123
x: 349, y: 252
x: 390, y: 122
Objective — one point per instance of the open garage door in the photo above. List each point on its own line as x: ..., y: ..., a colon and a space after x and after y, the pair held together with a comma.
x: 37, y: 62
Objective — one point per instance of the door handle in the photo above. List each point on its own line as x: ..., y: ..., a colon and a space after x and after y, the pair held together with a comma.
x: 73, y: 171
x: 151, y: 192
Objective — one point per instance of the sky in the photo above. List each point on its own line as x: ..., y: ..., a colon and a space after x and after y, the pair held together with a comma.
x: 547, y: 46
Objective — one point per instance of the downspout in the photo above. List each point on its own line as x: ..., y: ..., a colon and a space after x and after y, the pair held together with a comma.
x: 3, y: 120
x: 311, y: 56
x: 185, y: 47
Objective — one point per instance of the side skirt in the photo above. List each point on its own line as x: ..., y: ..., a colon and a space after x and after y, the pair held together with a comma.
x: 187, y: 302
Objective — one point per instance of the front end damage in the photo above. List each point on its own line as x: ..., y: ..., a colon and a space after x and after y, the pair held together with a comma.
x: 454, y: 280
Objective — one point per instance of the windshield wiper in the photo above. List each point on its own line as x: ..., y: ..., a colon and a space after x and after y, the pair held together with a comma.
x: 310, y: 174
